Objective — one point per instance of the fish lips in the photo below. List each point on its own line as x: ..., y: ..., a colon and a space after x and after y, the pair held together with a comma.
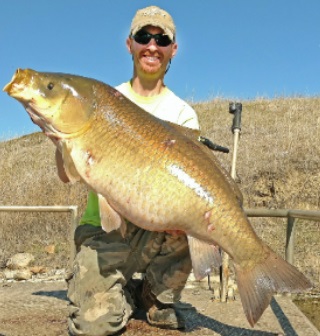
x: 7, y: 88
x: 15, y: 88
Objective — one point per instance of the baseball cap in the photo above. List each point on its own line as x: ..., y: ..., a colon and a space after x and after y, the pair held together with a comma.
x: 153, y: 16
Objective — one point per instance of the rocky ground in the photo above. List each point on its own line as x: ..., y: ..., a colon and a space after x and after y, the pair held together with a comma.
x: 33, y: 302
x: 38, y: 308
x: 33, y: 308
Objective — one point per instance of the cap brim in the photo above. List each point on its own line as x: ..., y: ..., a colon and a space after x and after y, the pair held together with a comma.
x: 154, y: 23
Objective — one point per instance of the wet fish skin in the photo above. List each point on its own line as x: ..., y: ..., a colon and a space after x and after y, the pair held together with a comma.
x: 157, y: 175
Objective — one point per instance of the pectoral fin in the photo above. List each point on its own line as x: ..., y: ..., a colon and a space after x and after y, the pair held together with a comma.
x: 204, y: 256
x: 68, y: 165
x: 110, y: 219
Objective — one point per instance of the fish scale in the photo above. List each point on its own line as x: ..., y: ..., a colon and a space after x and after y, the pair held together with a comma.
x: 159, y: 153
x: 155, y: 174
x: 143, y: 185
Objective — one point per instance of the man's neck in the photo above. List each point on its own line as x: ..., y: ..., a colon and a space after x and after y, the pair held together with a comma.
x: 147, y: 87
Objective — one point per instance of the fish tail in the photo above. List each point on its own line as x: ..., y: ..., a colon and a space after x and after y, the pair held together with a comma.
x: 257, y: 285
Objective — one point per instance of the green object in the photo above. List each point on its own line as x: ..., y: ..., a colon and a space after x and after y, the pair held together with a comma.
x: 92, y: 213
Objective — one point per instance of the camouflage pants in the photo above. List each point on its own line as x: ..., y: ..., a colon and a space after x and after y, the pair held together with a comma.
x: 100, y: 303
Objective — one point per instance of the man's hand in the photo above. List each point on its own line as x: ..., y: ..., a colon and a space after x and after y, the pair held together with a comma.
x: 175, y: 232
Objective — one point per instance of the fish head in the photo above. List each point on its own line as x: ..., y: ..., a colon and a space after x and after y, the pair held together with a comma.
x: 58, y: 103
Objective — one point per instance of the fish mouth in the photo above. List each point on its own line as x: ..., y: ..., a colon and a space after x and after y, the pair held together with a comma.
x: 12, y: 85
x: 9, y: 87
x: 16, y: 88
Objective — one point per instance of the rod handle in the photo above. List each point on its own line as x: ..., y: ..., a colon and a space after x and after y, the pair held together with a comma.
x: 235, y: 109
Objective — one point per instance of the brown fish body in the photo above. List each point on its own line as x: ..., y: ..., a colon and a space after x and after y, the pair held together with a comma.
x: 155, y: 174
x: 158, y: 178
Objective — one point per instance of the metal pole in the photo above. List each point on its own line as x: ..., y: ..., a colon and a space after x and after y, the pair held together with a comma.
x: 235, y: 109
x: 290, y: 241
x: 37, y: 208
x: 74, y: 224
x: 301, y: 214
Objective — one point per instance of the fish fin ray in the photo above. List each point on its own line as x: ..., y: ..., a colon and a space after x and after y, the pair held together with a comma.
x: 68, y: 164
x: 258, y: 285
x: 204, y: 256
x: 110, y: 219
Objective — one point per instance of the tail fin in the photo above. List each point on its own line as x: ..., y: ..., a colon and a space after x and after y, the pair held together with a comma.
x: 257, y: 286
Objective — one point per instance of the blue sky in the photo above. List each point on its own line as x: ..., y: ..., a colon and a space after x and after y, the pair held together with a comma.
x: 232, y: 49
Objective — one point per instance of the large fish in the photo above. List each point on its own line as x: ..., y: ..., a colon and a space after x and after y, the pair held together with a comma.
x: 155, y: 174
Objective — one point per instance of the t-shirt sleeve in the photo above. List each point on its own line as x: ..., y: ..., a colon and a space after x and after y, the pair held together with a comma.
x: 188, y: 117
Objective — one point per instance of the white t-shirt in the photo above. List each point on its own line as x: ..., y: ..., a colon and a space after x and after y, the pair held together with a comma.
x: 166, y: 106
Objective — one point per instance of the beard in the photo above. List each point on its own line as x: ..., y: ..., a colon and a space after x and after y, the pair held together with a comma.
x: 151, y: 63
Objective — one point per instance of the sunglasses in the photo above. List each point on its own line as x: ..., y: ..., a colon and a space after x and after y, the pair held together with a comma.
x: 143, y: 37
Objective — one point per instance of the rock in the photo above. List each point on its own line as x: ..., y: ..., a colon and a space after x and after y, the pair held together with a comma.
x: 50, y: 249
x: 38, y: 269
x: 19, y: 261
x: 8, y: 274
x: 23, y: 274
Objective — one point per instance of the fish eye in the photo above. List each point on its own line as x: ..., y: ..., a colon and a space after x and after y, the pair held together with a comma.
x: 50, y: 86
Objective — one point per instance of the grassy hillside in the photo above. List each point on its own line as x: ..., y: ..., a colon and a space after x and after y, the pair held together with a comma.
x: 278, y: 167
x: 279, y: 151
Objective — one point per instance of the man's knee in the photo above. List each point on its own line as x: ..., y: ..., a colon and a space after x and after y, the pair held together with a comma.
x: 98, y: 304
x: 100, y: 314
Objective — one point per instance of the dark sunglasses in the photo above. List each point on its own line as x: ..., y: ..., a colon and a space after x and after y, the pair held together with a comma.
x: 143, y: 37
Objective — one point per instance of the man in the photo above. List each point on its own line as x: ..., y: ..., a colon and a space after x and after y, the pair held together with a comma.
x: 102, y: 293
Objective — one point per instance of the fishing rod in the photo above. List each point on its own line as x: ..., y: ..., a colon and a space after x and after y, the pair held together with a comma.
x: 235, y: 109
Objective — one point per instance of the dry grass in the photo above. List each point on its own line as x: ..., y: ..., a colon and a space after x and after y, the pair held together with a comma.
x: 28, y: 177
x: 279, y: 152
x: 277, y: 167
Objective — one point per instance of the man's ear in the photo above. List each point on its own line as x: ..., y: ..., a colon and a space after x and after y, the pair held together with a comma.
x: 129, y: 44
x: 174, y: 50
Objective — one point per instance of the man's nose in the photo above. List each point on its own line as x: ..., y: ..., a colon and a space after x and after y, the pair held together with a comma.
x: 152, y: 45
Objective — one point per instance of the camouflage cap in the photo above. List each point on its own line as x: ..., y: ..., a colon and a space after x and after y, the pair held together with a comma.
x: 153, y: 16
